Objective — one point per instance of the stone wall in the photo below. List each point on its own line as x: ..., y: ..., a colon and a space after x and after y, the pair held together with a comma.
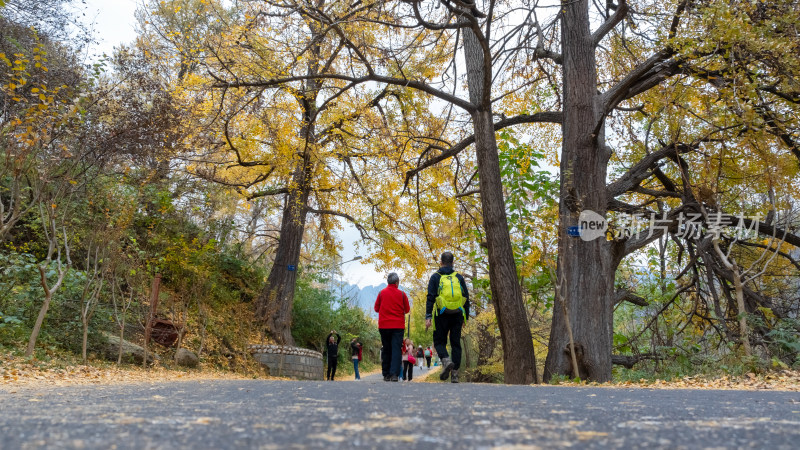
x: 292, y: 362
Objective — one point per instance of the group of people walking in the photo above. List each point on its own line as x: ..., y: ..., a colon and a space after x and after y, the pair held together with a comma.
x: 412, y: 357
x: 446, y: 309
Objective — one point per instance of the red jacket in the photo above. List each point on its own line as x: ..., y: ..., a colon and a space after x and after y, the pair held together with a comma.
x: 392, y: 307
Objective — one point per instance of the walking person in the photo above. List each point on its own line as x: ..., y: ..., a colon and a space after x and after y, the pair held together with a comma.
x: 448, y: 307
x: 408, y: 359
x: 428, y: 356
x: 333, y: 353
x: 355, y: 355
x: 420, y: 355
x: 392, y: 307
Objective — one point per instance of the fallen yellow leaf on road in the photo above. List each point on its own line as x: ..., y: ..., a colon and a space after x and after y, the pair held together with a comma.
x: 586, y: 435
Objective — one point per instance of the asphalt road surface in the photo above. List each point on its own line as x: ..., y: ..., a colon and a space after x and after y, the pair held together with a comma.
x: 376, y: 414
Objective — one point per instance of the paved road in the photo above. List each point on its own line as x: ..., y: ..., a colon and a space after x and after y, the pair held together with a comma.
x: 419, y: 374
x: 377, y: 376
x: 375, y: 414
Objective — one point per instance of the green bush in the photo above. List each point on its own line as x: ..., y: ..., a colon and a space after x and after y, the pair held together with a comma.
x: 316, y: 312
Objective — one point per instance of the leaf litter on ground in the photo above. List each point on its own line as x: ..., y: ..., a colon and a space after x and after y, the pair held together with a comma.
x: 22, y: 372
x: 781, y: 380
x: 16, y: 371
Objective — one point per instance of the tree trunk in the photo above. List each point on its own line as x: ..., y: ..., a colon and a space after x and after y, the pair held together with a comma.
x: 515, y: 332
x: 154, y: 293
x: 48, y: 296
x: 465, y: 345
x: 37, y: 327
x: 587, y: 268
x: 717, y: 306
x: 202, y: 334
x: 184, y: 323
x: 121, y: 338
x: 736, y: 271
x: 274, y: 303
x: 85, y: 342
x: 737, y: 283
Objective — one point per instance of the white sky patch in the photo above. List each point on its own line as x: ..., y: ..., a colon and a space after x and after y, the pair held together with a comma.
x: 113, y: 22
x: 358, y: 272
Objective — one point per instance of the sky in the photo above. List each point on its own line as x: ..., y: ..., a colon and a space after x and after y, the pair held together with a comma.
x: 114, y: 23
x: 357, y: 272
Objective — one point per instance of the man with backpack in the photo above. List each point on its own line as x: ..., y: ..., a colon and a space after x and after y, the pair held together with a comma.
x: 448, y: 306
x: 428, y: 356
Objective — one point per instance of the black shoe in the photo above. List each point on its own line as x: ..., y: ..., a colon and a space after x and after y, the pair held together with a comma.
x: 394, y: 378
x: 454, y: 376
x: 447, y: 366
x: 387, y: 378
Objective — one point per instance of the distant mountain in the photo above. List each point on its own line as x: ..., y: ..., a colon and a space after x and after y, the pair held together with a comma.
x: 364, y: 297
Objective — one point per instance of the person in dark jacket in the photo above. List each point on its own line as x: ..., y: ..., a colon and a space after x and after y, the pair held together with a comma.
x: 392, y: 307
x: 446, y: 321
x: 332, y: 342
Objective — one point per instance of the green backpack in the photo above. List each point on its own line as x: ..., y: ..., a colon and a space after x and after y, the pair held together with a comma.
x: 450, y: 295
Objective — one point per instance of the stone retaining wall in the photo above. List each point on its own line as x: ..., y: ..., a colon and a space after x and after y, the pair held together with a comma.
x: 292, y: 362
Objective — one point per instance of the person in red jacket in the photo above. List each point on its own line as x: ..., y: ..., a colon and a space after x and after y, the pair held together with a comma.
x: 392, y: 307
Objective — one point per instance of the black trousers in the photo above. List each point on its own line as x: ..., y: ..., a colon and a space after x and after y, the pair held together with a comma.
x: 332, y: 362
x: 408, y: 370
x: 392, y: 341
x: 428, y: 358
x: 448, y: 325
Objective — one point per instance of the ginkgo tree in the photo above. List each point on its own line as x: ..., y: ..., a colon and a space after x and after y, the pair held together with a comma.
x: 297, y: 141
x: 486, y: 66
x: 531, y: 57
x: 411, y: 36
x: 638, y: 61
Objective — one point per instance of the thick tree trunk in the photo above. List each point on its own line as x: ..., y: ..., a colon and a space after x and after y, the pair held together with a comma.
x: 274, y: 303
x: 586, y: 268
x: 515, y: 332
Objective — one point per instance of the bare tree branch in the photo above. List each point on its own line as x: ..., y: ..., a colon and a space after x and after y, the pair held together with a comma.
x: 545, y: 116
x: 608, y: 25
x: 364, y: 234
